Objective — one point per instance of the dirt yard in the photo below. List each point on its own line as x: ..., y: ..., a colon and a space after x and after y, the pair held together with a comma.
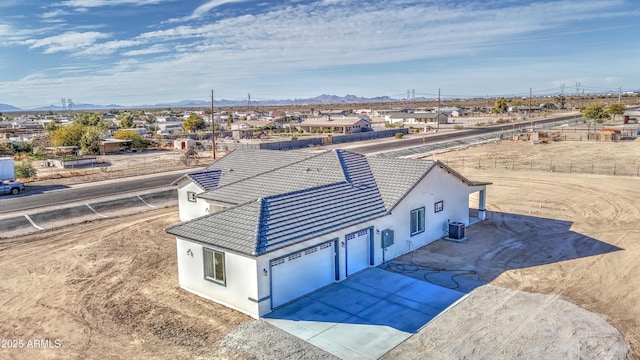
x: 559, y: 252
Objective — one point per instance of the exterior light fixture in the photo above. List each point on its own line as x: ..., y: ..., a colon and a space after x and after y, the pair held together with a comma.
x: 265, y: 272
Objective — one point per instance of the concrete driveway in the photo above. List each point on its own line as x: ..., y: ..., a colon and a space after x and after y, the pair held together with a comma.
x: 366, y: 315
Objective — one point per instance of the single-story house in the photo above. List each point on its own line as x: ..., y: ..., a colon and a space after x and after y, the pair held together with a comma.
x: 342, y: 125
x: 631, y: 116
x: 111, y: 146
x: 247, y: 128
x: 426, y: 118
x: 263, y: 228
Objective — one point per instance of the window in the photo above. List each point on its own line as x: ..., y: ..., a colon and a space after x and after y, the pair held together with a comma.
x: 214, y: 266
x: 439, y: 206
x: 191, y: 196
x: 417, y: 221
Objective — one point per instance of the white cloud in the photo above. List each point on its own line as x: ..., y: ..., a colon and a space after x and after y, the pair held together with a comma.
x: 155, y: 49
x: 100, y: 3
x: 203, y: 9
x: 68, y: 41
x: 53, y: 14
x: 5, y: 30
x: 273, y: 48
x: 106, y: 48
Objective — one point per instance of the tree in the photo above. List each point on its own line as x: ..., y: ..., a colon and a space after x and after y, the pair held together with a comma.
x: 51, y: 126
x: 560, y: 99
x: 500, y: 105
x: 138, y: 143
x: 126, y: 121
x: 596, y: 112
x: 616, y: 109
x: 85, y: 137
x: 90, y: 140
x: 40, y: 142
x: 194, y: 122
x: 90, y: 119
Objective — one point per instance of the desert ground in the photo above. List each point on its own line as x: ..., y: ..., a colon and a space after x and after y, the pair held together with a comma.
x: 555, y: 263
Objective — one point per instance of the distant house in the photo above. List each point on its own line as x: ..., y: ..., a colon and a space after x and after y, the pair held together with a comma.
x: 263, y: 228
x: 631, y: 116
x: 246, y: 129
x: 342, y: 125
x: 424, y: 119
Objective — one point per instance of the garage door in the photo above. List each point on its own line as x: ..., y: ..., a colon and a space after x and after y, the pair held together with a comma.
x: 301, y: 273
x: 357, y: 251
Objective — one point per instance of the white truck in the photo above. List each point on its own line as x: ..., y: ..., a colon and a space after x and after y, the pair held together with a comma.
x: 8, y: 184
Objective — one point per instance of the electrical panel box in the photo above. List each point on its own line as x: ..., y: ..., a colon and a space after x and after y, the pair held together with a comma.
x: 387, y: 238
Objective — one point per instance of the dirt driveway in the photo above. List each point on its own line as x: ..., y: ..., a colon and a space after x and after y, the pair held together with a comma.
x: 109, y: 290
x: 560, y: 252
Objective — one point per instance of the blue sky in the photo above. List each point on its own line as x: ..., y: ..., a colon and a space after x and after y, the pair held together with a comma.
x: 133, y: 52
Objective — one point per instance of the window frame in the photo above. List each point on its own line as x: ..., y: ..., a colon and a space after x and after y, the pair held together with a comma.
x: 438, y: 206
x: 420, y: 223
x: 191, y: 196
x: 210, y: 270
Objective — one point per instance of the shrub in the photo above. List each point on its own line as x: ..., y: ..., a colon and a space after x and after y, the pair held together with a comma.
x: 458, y: 127
x: 25, y: 169
x: 399, y: 135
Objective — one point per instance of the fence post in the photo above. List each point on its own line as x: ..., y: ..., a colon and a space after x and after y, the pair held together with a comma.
x: 495, y: 164
x: 614, y: 168
x: 592, y: 168
x: 513, y: 164
x: 479, y: 164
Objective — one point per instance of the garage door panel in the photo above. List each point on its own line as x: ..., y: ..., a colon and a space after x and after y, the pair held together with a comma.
x: 357, y: 251
x: 301, y: 273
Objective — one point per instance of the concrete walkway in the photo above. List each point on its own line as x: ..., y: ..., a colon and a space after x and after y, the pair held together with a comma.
x: 364, y: 316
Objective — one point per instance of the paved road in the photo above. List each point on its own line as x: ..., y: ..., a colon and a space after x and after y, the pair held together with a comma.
x: 41, y: 196
x: 435, y: 138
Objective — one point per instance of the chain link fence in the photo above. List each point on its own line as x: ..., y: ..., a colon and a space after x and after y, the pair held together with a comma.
x: 600, y: 168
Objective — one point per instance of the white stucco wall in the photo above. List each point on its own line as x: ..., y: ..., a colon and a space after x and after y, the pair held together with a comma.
x: 241, y: 276
x: 249, y: 290
x: 189, y: 210
x: 438, y: 185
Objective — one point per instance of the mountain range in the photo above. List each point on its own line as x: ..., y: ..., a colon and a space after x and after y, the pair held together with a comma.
x: 318, y: 100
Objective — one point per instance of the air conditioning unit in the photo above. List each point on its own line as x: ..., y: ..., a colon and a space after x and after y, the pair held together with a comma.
x: 456, y: 230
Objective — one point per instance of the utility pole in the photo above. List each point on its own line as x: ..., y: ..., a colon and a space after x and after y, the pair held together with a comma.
x: 619, y: 94
x: 438, y: 113
x: 529, y: 111
x: 249, y: 101
x: 213, y: 129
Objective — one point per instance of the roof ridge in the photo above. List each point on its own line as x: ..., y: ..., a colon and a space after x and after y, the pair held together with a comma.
x: 270, y: 171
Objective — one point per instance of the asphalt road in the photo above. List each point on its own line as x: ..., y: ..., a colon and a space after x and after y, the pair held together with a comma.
x: 41, y: 196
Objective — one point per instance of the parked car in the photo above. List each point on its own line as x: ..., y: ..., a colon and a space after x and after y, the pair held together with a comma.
x: 11, y: 187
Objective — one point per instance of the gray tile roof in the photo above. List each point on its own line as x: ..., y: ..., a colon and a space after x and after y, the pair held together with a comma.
x: 247, y: 163
x: 396, y: 177
x: 206, y: 180
x: 316, y: 195
x: 234, y: 229
x: 314, y: 171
